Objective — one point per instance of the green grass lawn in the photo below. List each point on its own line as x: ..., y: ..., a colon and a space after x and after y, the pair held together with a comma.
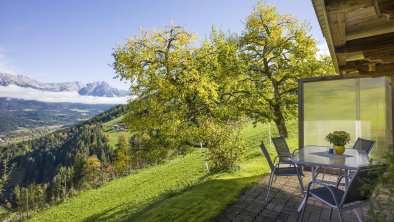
x: 179, y: 190
x: 114, y: 137
x: 206, y: 200
x: 114, y: 121
x: 5, y: 214
x: 130, y: 194
x: 2, y: 210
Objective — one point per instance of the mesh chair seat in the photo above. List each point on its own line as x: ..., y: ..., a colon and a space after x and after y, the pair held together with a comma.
x: 355, y: 195
x: 324, y: 194
x: 286, y: 171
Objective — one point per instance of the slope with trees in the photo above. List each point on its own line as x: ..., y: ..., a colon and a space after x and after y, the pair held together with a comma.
x: 55, y: 166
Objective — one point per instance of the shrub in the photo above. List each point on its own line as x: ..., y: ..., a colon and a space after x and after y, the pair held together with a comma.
x: 383, y: 199
x: 225, y: 147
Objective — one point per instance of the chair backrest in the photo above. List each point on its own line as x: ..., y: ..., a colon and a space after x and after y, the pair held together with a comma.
x: 362, y: 184
x: 281, y: 146
x: 267, y: 156
x: 364, y: 144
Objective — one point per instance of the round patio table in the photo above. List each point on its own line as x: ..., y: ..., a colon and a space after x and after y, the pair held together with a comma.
x: 317, y: 156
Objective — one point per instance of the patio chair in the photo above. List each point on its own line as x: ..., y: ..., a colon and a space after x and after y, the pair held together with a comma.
x: 280, y: 171
x: 282, y: 149
x: 364, y: 144
x: 354, y: 196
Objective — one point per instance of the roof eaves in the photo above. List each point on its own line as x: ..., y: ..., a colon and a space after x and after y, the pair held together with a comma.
x: 321, y: 14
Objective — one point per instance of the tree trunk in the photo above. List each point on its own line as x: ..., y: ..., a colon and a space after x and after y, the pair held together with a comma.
x: 280, y: 121
x: 277, y: 110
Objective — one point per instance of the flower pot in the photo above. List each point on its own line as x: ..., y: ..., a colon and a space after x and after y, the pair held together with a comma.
x: 339, y: 150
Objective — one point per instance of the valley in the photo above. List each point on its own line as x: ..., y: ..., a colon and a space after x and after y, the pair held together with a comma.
x: 18, y: 116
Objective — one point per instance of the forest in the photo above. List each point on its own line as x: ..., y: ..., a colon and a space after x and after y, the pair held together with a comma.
x: 50, y: 167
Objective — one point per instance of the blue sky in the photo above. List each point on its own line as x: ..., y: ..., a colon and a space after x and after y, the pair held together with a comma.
x: 57, y: 41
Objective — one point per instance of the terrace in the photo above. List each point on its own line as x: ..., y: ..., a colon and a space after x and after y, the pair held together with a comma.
x: 282, y: 204
x: 359, y: 100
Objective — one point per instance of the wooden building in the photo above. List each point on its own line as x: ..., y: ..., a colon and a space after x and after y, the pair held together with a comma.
x: 360, y: 38
x: 359, y: 34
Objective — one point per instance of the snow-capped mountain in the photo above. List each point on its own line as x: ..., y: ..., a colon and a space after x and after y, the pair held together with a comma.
x: 97, y: 89
x: 101, y: 89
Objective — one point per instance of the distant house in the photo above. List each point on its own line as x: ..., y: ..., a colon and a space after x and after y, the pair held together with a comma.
x: 121, y: 127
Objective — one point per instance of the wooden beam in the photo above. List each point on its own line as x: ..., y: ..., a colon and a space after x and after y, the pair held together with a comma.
x: 379, y: 55
x: 381, y: 69
x: 366, y: 44
x: 361, y: 15
x: 337, y: 6
x: 385, y: 55
x: 341, y: 60
x: 337, y: 28
x: 371, y: 31
x: 354, y: 56
x: 377, y: 73
x: 371, y: 67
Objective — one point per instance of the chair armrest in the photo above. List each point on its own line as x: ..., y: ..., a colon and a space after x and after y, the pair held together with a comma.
x: 294, y: 151
x: 340, y: 178
x: 276, y: 159
x: 329, y: 188
x: 320, y: 184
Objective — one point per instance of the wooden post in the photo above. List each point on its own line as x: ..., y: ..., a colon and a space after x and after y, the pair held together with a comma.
x: 205, y: 159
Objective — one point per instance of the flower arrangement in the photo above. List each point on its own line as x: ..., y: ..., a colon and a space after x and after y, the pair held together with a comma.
x: 338, y: 138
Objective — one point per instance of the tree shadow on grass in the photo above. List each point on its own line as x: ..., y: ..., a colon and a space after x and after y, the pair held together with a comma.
x: 203, y: 201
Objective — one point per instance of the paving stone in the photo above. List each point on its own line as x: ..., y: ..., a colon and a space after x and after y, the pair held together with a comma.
x: 292, y: 218
x: 263, y: 218
x: 283, y: 202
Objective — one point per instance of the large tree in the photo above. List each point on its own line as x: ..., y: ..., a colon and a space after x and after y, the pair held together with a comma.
x: 278, y: 50
x: 180, y: 87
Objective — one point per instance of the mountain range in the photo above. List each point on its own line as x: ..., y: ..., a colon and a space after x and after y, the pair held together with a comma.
x: 26, y: 103
x: 96, y: 89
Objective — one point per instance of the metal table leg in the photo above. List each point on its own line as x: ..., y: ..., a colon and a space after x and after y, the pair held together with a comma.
x: 314, y: 174
x: 346, y: 178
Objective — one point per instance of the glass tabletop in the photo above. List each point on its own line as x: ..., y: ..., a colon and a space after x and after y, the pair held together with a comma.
x: 315, y: 156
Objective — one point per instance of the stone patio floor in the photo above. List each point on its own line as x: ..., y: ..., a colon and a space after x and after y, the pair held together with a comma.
x: 282, y: 204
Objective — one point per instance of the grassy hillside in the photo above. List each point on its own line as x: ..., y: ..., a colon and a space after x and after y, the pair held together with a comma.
x: 206, y: 200
x: 128, y: 195
x: 179, y: 190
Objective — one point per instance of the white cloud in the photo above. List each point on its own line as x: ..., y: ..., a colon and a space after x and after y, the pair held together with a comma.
x: 17, y: 92
x: 323, y: 49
